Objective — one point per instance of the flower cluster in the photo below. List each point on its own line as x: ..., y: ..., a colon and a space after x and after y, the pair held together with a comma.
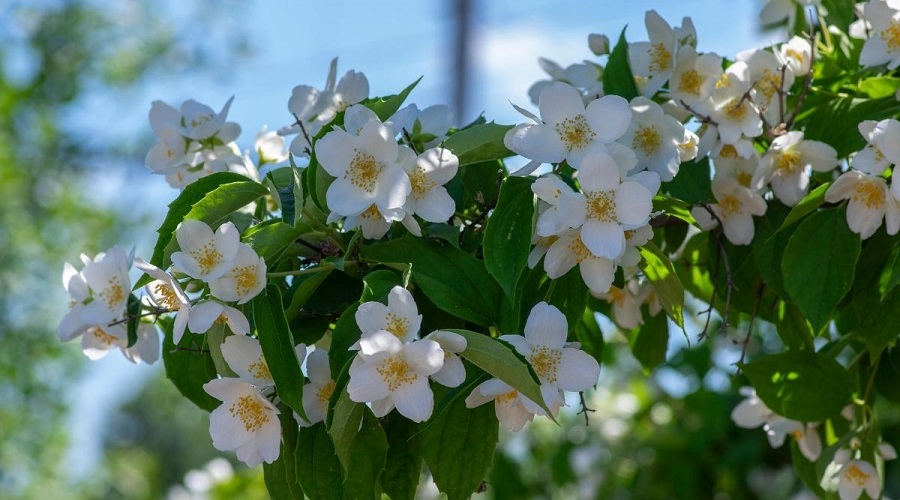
x: 752, y: 413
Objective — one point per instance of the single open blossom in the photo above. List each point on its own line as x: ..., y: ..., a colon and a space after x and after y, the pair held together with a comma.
x: 559, y: 366
x: 270, y: 147
x: 655, y: 138
x: 552, y: 220
x: 428, y: 126
x: 98, y: 341
x: 797, y: 54
x: 652, y: 62
x: 567, y: 130
x: 453, y: 373
x: 400, y: 317
x: 389, y: 374
x: 731, y: 165
x: 245, y: 280
x: 165, y: 293
x: 207, y: 313
x: 244, y: 356
x: 146, y: 348
x: 195, y: 120
x: 857, y: 476
x: 733, y: 109
x: 205, y: 255
x: 609, y: 206
x: 626, y: 303
x: 882, y: 149
x: 99, y: 292
x: 883, y: 46
x: 318, y: 391
x: 787, y: 163
x: 694, y: 78
x: 366, y: 171
x: 583, y: 76
x: 568, y: 250
x: 768, y: 76
x: 870, y: 202
x: 245, y: 421
x: 752, y: 413
x: 509, y: 404
x: 428, y: 173
x: 736, y: 205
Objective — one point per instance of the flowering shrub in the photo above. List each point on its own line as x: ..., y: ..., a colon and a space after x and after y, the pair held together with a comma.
x: 433, y: 296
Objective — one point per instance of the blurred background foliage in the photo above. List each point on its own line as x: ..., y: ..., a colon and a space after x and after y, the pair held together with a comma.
x: 663, y: 435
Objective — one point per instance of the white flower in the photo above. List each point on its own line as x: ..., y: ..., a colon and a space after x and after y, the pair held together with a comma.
x: 694, y: 78
x: 246, y: 421
x: 786, y: 165
x: 245, y: 357
x: 428, y: 126
x: 730, y: 164
x: 391, y: 374
x: 371, y: 221
x: 808, y: 441
x: 856, y: 476
x: 655, y: 138
x: 72, y: 325
x: 509, y: 404
x: 550, y: 190
x: 870, y: 202
x: 318, y: 391
x: 97, y: 341
x: 146, y: 349
x: 205, y: 255
x: 269, y: 147
x: 751, y: 412
x: 199, y: 122
x: 767, y: 78
x: 427, y: 176
x: 366, y: 170
x: 598, y: 43
x: 99, y: 292
x: 797, y: 54
x: 883, y: 46
x: 558, y: 366
x: 734, y: 114
x: 245, y: 280
x: 627, y: 303
x: 567, y: 130
x: 453, y: 373
x: 165, y: 293
x: 608, y: 207
x: 568, y: 250
x: 585, y: 77
x: 776, y: 11
x: 400, y: 316
x: 882, y: 149
x: 736, y: 205
x: 652, y: 62
x: 171, y: 152
x: 207, y: 313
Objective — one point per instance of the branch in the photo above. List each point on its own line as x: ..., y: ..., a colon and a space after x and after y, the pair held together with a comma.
x: 584, y: 409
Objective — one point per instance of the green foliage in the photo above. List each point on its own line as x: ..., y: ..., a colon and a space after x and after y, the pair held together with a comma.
x: 189, y: 366
x: 478, y: 144
x: 617, y: 78
x: 507, y: 238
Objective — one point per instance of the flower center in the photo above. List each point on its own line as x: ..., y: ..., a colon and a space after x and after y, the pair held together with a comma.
x: 736, y: 110
x: 797, y: 55
x: 788, y: 162
x: 575, y: 132
x: 660, y: 58
x: 855, y: 475
x: 103, y: 337
x: 581, y: 252
x: 397, y: 325
x: 507, y: 398
x: 646, y: 139
x: 166, y: 296
x: 372, y: 213
x: 616, y: 295
x: 601, y: 206
x: 769, y: 83
x: 396, y: 372
x: 207, y: 257
x: 113, y: 294
x: 421, y: 184
x: 200, y: 120
x: 324, y: 393
x: 728, y: 151
x: 730, y: 205
x: 870, y: 194
x: 743, y: 178
x: 260, y: 369
x: 244, y: 279
x: 891, y: 35
x: 545, y: 362
x: 723, y: 82
x: 250, y: 411
x: 545, y: 241
x: 364, y: 171
x: 690, y: 82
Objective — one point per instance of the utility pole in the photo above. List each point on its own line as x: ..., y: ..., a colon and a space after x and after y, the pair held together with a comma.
x: 462, y: 33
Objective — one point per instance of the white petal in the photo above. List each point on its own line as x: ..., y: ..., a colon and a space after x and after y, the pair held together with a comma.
x: 424, y: 356
x: 603, y: 239
x: 608, y: 117
x: 414, y: 401
x: 559, y: 101
x: 546, y: 326
x: 577, y: 370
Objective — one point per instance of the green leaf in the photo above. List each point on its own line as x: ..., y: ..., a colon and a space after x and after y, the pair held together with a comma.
x: 818, y: 264
x: 346, y: 332
x: 378, y: 284
x: 805, y: 470
x: 459, y: 448
x: 403, y: 465
x: 507, y: 237
x: 189, y: 367
x: 800, y: 385
x: 270, y: 239
x: 281, y: 475
x: 878, y: 87
x: 651, y: 341
x: 588, y: 333
x: 617, y: 77
x: 569, y: 294
x: 659, y: 271
x: 502, y: 361
x: 809, y: 203
x: 692, y: 184
x: 890, y: 277
x: 286, y: 186
x: 480, y: 143
x: 453, y: 280
x: 385, y: 107
x: 367, y: 459
x: 820, y: 123
x: 318, y: 468
x: 792, y: 327
x: 887, y: 378
x: 344, y: 420
x: 674, y: 207
x: 302, y: 290
x: 215, y: 337
x: 210, y: 199
x: 133, y: 311
x: 277, y: 344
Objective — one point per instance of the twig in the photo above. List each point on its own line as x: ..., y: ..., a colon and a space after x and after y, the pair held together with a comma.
x: 305, y: 134
x: 704, y: 119
x: 409, y: 141
x: 729, y: 277
x: 807, y: 83
x: 746, y: 342
x: 584, y: 409
x: 156, y: 311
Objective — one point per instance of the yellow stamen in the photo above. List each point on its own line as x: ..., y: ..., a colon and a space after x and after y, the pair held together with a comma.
x: 260, y: 369
x: 647, y: 140
x: 396, y: 325
x: 601, y: 206
x: 545, y: 362
x: 207, y: 257
x: 730, y: 205
x: 421, y: 184
x: 575, y: 132
x: 660, y: 58
x: 251, y: 412
x: 870, y: 193
x: 787, y: 162
x: 690, y: 82
x: 891, y: 36
x: 395, y: 372
x: 244, y: 279
x: 364, y: 171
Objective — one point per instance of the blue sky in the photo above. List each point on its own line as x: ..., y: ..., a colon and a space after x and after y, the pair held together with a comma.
x: 393, y: 43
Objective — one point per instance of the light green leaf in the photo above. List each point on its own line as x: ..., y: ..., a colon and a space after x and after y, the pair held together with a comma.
x: 809, y: 203
x: 617, y: 77
x: 800, y: 385
x: 878, y: 87
x: 385, y: 107
x: 673, y: 207
x: 659, y: 271
x: 277, y: 344
x: 817, y: 279
x: 480, y: 143
x: 507, y: 237
x: 215, y: 337
x: 270, y: 239
x: 502, y: 361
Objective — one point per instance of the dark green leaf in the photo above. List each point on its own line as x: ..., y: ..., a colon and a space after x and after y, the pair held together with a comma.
x: 459, y: 447
x: 651, y: 341
x: 800, y: 385
x: 302, y: 290
x: 890, y: 277
x: 281, y: 475
x: 792, y: 327
x: 270, y: 239
x: 343, y: 425
x: 814, y: 278
x: 507, y: 237
x: 378, y: 284
x: 453, y: 280
x: 346, y: 333
x: 318, y: 468
x: 286, y: 186
x: 480, y: 143
x: 692, y: 184
x: 189, y: 367
x: 277, y: 344
x: 403, y: 464
x: 617, y: 77
x: 366, y: 460
x: 659, y: 271
x: 805, y: 470
x: 385, y: 107
x: 569, y: 294
x: 133, y: 312
x: 887, y: 378
x: 588, y: 333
